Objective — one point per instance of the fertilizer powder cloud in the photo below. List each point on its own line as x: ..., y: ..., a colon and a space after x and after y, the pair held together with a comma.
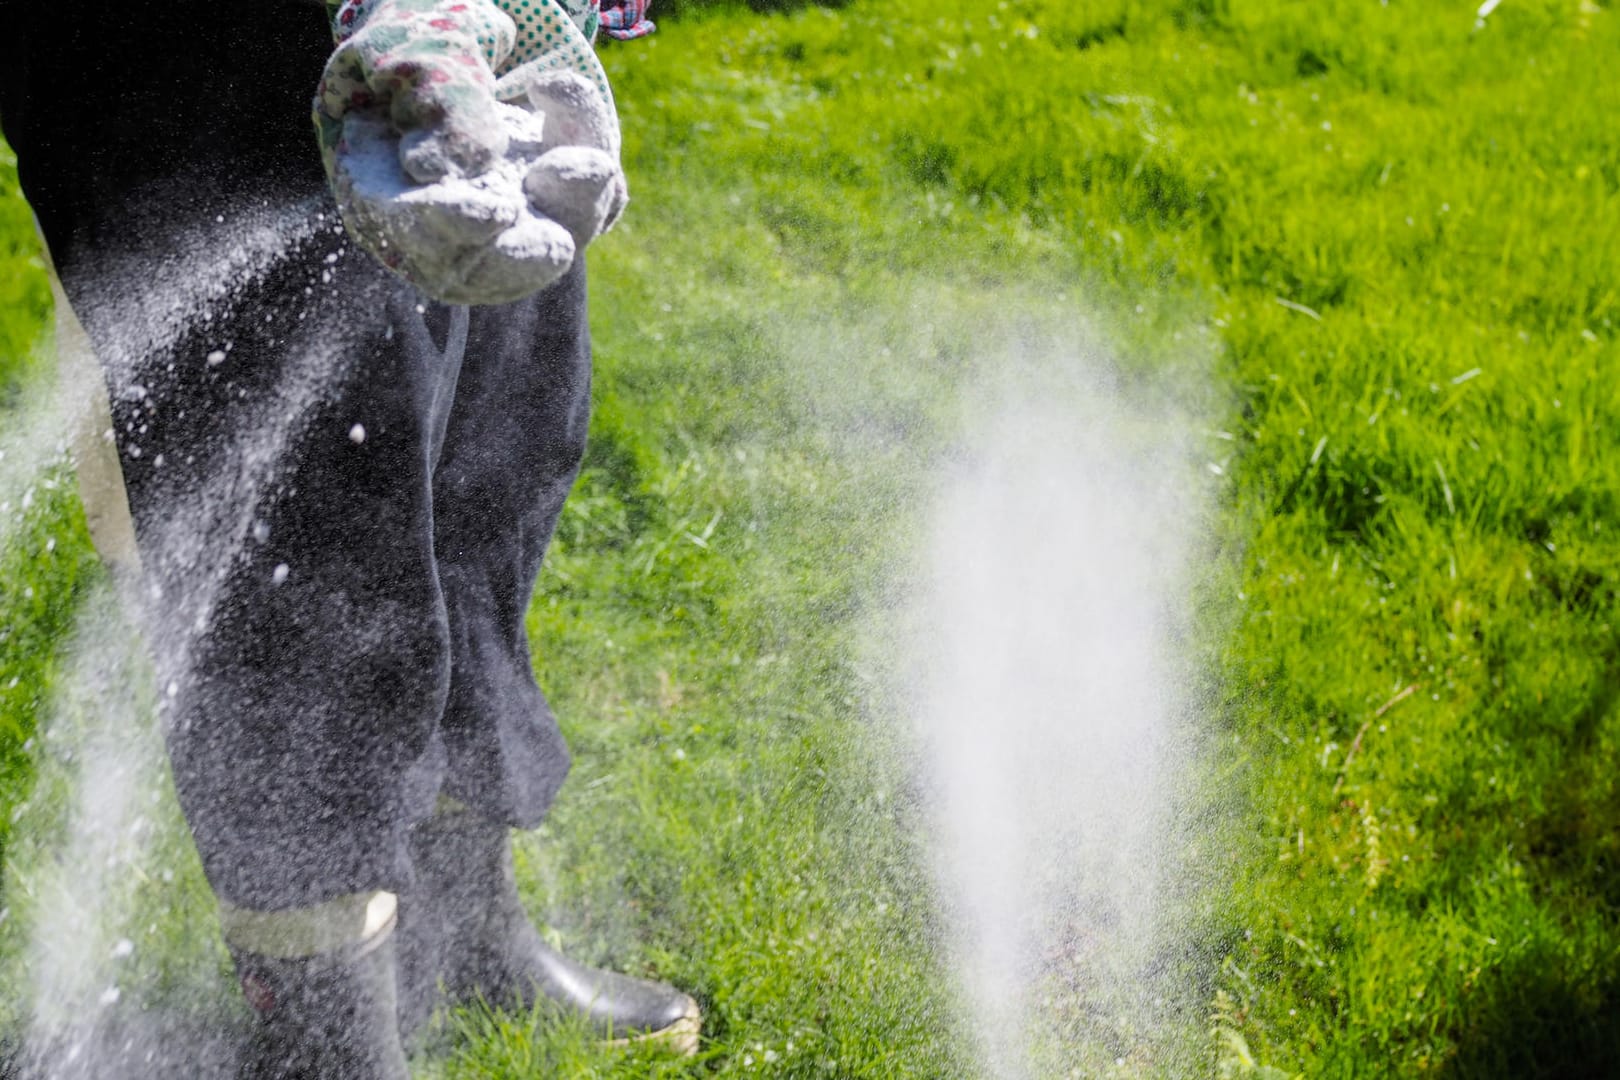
x: 1049, y: 707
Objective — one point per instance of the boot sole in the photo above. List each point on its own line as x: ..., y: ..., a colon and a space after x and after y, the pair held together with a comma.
x: 680, y: 1038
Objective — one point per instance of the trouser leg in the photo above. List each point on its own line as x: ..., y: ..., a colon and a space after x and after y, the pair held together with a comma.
x: 498, y: 439
x: 293, y: 566
x: 304, y: 735
x: 282, y: 499
x: 512, y: 450
x: 291, y: 595
x: 278, y: 404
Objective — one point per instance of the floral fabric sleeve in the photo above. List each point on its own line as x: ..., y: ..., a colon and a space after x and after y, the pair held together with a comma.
x: 397, y: 49
x: 626, y: 19
x: 417, y: 21
x: 547, y: 35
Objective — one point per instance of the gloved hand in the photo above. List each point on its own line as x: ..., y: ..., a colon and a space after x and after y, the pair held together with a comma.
x: 475, y: 190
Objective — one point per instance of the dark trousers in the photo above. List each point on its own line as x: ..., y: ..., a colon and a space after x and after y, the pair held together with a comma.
x: 342, y: 491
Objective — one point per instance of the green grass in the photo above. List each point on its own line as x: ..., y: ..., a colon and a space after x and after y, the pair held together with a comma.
x: 1418, y: 491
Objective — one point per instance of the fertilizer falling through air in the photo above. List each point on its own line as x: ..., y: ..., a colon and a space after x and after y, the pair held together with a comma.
x: 1049, y: 704
x: 102, y: 822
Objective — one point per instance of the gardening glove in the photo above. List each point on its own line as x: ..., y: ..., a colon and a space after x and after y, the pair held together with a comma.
x: 577, y: 180
x: 430, y: 157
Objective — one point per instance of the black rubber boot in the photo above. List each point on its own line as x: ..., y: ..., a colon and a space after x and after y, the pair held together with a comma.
x: 328, y: 1017
x: 465, y: 937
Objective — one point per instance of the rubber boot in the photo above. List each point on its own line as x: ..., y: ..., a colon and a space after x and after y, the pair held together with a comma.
x: 465, y: 937
x: 330, y: 1014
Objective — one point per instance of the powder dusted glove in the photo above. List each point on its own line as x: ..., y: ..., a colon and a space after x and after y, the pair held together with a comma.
x: 431, y: 158
x: 577, y: 181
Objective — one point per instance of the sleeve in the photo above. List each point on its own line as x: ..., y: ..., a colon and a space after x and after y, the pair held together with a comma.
x: 626, y: 19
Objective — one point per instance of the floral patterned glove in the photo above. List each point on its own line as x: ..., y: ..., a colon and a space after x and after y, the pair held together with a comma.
x: 431, y: 64
x: 476, y: 189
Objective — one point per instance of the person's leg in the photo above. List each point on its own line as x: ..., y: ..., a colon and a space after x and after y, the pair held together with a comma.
x: 273, y: 401
x: 278, y: 402
x: 512, y: 450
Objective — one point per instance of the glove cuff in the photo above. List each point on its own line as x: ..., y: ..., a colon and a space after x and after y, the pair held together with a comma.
x: 586, y: 15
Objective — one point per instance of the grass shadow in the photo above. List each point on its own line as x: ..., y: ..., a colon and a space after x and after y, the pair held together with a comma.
x: 1542, y: 1025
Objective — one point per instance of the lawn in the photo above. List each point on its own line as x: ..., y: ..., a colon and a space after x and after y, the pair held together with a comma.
x: 1385, y: 236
